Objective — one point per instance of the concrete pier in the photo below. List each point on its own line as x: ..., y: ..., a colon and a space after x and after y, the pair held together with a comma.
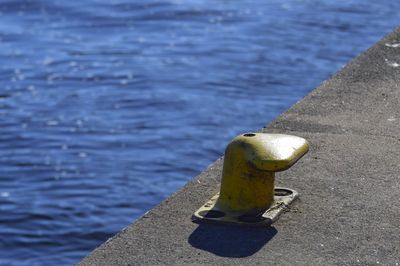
x: 349, y: 184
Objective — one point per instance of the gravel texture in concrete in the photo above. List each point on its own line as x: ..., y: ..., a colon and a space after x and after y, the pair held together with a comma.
x: 349, y: 184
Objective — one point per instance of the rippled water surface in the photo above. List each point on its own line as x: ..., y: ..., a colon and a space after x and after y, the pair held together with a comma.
x: 108, y: 107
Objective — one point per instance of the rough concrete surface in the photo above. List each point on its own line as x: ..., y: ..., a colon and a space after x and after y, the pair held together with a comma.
x: 349, y: 184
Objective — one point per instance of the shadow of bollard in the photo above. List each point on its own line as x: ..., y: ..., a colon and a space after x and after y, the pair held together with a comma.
x: 230, y: 240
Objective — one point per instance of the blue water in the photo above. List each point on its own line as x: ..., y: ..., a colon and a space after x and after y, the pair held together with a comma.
x: 107, y: 107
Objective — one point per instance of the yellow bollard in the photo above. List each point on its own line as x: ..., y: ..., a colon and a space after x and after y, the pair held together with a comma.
x: 247, y: 186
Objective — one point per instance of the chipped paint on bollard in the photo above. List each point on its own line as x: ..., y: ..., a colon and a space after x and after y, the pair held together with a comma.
x: 247, y: 194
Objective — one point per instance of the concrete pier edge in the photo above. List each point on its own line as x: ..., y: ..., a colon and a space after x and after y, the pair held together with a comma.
x: 349, y: 184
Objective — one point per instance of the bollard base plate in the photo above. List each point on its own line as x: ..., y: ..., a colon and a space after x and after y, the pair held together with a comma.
x: 210, y: 212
